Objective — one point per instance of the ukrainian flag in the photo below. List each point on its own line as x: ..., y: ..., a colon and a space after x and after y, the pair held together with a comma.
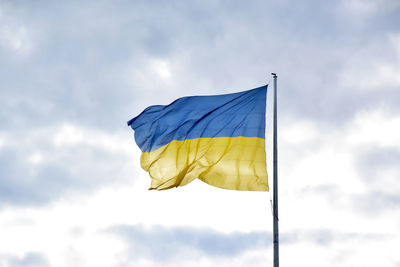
x: 218, y: 139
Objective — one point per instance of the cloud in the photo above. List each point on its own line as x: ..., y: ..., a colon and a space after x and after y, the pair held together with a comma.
x: 368, y: 8
x: 97, y: 73
x: 379, y: 167
x: 165, y: 244
x: 43, y: 165
x: 376, y: 203
x: 30, y: 259
x: 177, y: 244
x: 328, y: 237
x: 374, y: 67
x: 74, y: 72
x: 17, y: 39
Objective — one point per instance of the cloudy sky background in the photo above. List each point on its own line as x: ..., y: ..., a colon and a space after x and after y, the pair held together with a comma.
x: 72, y: 192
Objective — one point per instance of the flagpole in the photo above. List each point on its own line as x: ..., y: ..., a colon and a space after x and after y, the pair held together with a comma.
x: 275, y: 189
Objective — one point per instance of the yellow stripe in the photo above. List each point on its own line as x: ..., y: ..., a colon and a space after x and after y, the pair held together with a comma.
x: 236, y: 163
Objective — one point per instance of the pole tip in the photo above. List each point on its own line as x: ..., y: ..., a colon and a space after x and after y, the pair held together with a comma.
x: 273, y: 74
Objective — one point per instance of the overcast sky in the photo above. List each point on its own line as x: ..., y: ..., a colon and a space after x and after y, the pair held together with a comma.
x: 72, y: 73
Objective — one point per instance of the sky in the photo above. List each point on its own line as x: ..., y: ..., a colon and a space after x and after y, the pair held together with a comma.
x: 72, y: 73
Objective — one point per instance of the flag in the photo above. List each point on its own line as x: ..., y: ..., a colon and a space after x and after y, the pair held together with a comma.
x: 219, y: 139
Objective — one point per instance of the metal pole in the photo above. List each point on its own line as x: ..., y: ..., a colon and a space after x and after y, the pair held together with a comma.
x: 275, y: 200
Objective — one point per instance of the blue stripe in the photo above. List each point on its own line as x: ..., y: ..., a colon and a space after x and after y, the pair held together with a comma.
x: 230, y: 115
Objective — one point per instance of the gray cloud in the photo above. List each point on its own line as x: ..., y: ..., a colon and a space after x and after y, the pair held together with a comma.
x: 76, y: 71
x: 373, y: 161
x: 93, y: 64
x: 164, y: 244
x: 379, y: 169
x: 161, y: 243
x: 327, y: 237
x: 375, y: 203
x: 80, y: 167
x: 87, y: 63
x: 339, y: 243
x: 31, y: 259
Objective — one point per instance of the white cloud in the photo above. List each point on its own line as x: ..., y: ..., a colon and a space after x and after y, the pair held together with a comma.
x: 375, y: 127
x: 162, y: 68
x: 36, y: 158
x: 68, y: 135
x: 316, y: 192
x: 297, y: 131
x: 58, y: 160
x: 359, y: 9
x: 375, y: 67
x: 15, y: 36
x: 2, y: 140
x: 16, y: 39
x: 88, y: 179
